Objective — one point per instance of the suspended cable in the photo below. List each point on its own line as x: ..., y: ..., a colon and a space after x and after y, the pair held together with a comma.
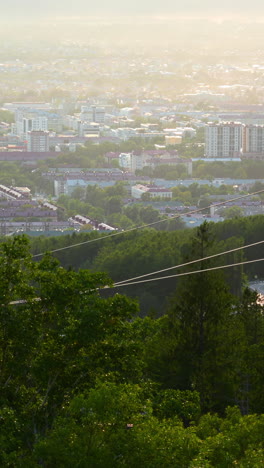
x: 183, y: 274
x: 192, y: 262
x: 108, y: 236
x: 38, y: 299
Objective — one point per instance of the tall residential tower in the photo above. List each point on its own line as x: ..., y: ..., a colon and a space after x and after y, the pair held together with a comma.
x: 223, y: 140
x: 253, y: 139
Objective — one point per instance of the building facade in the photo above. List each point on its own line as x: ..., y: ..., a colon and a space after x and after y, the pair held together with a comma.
x: 137, y: 160
x: 24, y: 125
x: 38, y: 141
x: 92, y: 114
x: 253, y: 139
x: 138, y: 190
x: 223, y: 140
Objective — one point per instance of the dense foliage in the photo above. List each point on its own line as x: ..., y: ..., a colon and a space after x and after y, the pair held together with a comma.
x: 86, y: 382
x: 139, y: 252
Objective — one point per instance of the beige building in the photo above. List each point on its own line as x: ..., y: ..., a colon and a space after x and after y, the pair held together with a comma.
x: 173, y: 140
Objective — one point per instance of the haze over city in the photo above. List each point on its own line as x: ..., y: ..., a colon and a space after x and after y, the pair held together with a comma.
x: 28, y: 8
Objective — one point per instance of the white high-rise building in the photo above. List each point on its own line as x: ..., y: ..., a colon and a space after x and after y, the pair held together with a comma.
x: 223, y: 140
x: 253, y: 139
x: 24, y: 125
x: 34, y: 125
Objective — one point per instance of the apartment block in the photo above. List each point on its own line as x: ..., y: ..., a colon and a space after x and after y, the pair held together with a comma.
x: 24, y: 125
x: 92, y: 114
x: 253, y: 139
x: 38, y: 141
x: 138, y: 190
x: 223, y: 140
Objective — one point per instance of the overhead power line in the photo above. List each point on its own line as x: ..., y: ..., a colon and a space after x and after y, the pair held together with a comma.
x: 185, y: 274
x: 191, y: 262
x: 129, y: 283
x: 38, y: 299
x: 108, y: 236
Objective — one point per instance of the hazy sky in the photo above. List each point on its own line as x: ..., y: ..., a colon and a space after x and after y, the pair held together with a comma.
x: 125, y: 7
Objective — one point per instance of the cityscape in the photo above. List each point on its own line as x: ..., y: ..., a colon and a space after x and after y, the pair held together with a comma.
x: 68, y: 121
x: 131, y: 234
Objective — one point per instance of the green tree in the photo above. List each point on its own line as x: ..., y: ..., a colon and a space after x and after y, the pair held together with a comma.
x: 197, y: 330
x: 113, y: 205
x: 149, y: 214
x: 58, y: 339
x: 113, y: 426
x: 233, y: 212
x: 250, y: 320
x: 6, y: 116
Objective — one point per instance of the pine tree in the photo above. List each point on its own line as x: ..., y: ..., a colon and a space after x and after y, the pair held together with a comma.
x: 198, y: 328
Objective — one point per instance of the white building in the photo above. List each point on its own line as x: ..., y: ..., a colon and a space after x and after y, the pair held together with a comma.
x: 89, y: 128
x: 67, y: 147
x: 125, y: 161
x: 133, y: 161
x: 39, y: 116
x: 223, y: 140
x: 24, y: 125
x: 138, y: 190
x: 152, y: 158
x: 253, y: 139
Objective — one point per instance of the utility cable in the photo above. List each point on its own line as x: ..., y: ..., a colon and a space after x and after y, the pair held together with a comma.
x: 38, y: 299
x: 198, y: 210
x: 192, y: 262
x: 183, y: 274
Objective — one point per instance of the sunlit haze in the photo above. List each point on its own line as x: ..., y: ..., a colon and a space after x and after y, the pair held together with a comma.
x: 104, y: 7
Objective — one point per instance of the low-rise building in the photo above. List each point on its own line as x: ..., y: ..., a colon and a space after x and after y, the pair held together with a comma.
x: 153, y: 191
x: 137, y: 160
x: 173, y: 140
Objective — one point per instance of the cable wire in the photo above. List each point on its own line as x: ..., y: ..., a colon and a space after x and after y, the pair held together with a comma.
x: 184, y: 274
x: 108, y: 236
x: 38, y: 299
x: 192, y: 262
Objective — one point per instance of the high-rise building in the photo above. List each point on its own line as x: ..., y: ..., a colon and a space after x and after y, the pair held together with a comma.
x: 38, y: 141
x: 34, y: 124
x: 253, y: 139
x: 92, y: 114
x: 30, y: 117
x: 27, y: 124
x: 223, y: 140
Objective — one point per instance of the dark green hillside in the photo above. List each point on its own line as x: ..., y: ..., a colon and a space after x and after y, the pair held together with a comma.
x: 85, y: 382
x: 129, y: 255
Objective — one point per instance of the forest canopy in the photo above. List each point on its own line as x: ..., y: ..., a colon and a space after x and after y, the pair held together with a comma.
x: 85, y: 381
